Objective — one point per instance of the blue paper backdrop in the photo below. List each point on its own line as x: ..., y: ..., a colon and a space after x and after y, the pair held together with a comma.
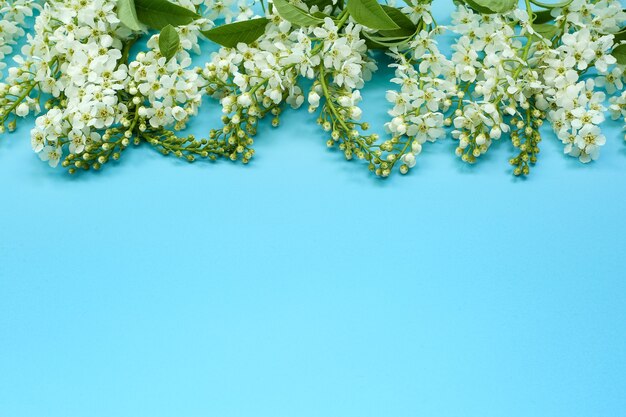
x: 300, y: 285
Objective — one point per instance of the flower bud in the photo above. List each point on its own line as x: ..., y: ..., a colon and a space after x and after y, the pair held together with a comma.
x: 22, y: 109
x: 355, y: 112
x: 244, y: 100
x: 409, y: 159
x: 314, y: 99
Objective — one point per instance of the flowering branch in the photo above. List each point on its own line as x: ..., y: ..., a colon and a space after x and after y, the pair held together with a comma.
x: 510, y: 71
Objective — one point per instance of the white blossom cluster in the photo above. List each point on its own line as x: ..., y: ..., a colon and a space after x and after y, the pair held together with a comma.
x: 79, y: 55
x: 74, y: 57
x: 576, y: 106
x: 505, y: 77
x: 252, y: 81
x: 600, y: 16
x: 614, y: 83
x: 168, y: 92
x: 342, y: 72
x: 485, y: 88
x: 419, y: 106
x: 499, y: 91
x: 13, y: 14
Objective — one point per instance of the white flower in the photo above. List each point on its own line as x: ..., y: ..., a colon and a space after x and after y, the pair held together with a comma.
x: 589, y: 140
x: 179, y: 113
x: 244, y: 100
x: 37, y: 140
x: 611, y: 81
x: 327, y: 32
x: 579, y: 47
x: 159, y: 115
x: 51, y: 154
x: 427, y: 127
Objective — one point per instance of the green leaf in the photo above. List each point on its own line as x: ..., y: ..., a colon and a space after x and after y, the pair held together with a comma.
x: 498, y: 6
x: 492, y: 6
x: 384, y: 42
x: 127, y: 14
x: 230, y: 35
x: 159, y: 13
x: 169, y: 41
x: 320, y: 15
x: 477, y: 7
x: 321, y: 4
x: 543, y: 16
x: 620, y: 36
x: 398, y: 17
x: 384, y: 45
x: 407, y: 27
x: 546, y: 30
x: 370, y: 14
x: 386, y: 39
x: 551, y: 6
x: 620, y: 54
x: 296, y: 15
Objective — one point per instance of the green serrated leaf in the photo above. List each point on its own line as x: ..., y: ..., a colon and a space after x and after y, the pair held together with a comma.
x: 398, y: 17
x: 620, y: 54
x: 127, y: 14
x: 543, y: 16
x: 407, y: 27
x: 169, y: 41
x: 230, y: 35
x: 157, y: 14
x: 370, y: 14
x: 492, y: 6
x: 296, y: 15
x: 320, y: 15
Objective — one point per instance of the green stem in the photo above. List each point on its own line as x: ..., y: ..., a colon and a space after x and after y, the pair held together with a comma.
x: 329, y: 101
x: 19, y: 100
x: 126, y: 49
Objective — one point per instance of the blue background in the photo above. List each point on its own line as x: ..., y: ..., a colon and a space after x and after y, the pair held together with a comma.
x: 300, y: 285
